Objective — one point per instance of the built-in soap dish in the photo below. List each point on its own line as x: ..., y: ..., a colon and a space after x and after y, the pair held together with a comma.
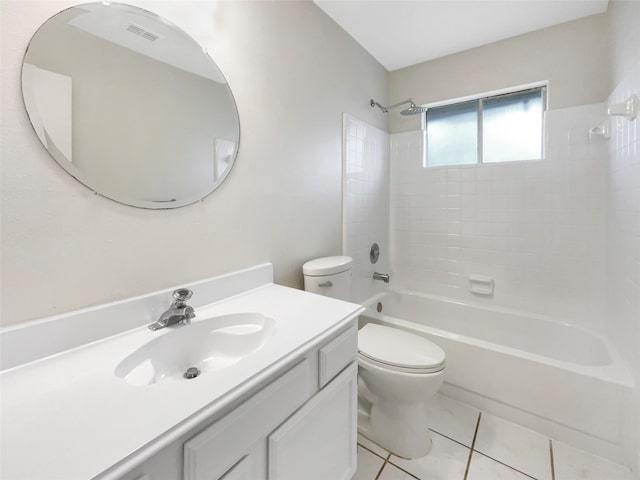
x: 628, y: 109
x: 481, y: 285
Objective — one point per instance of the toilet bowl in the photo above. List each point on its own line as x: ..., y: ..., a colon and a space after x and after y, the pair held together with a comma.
x: 398, y: 372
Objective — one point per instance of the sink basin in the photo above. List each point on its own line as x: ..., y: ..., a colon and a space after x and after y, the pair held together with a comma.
x: 207, y: 345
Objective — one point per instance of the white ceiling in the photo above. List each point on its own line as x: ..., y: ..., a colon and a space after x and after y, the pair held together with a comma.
x: 399, y: 33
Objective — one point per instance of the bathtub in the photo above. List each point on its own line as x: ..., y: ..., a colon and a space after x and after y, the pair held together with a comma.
x: 564, y: 381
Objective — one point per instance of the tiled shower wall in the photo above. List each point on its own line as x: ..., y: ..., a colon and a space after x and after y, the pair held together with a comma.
x: 366, y: 203
x: 536, y: 227
x: 623, y: 213
x: 623, y: 240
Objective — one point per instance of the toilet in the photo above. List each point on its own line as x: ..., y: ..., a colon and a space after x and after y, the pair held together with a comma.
x: 398, y: 372
x: 329, y: 276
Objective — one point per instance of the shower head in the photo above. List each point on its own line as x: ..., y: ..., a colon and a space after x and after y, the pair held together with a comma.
x: 412, y: 110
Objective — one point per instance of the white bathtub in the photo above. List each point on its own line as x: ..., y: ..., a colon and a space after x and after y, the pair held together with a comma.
x: 561, y: 380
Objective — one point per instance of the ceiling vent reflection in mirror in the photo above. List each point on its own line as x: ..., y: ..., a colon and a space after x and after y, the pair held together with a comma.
x: 138, y: 30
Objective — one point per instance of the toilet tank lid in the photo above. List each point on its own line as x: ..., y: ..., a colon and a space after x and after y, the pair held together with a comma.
x: 327, y: 266
x: 397, y: 347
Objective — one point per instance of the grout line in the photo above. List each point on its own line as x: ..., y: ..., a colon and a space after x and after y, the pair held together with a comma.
x: 553, y: 468
x: 401, y: 469
x: 371, y: 451
x: 473, y: 444
x: 449, y: 438
x: 505, y: 465
x: 384, y: 464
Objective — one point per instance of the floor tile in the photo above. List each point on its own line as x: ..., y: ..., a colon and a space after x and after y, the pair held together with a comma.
x: 452, y: 419
x: 391, y: 472
x: 515, y: 446
x: 447, y: 460
x: 483, y: 468
x: 374, y: 447
x: 573, y: 464
x: 368, y: 465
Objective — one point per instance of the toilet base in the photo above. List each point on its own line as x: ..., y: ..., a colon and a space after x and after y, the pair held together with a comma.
x: 402, y: 432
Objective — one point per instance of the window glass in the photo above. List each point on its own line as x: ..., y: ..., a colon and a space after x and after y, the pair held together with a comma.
x: 509, y: 125
x: 452, y: 134
x: 512, y: 127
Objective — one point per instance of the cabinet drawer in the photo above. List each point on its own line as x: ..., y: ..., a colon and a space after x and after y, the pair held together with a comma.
x: 215, y: 450
x: 337, y: 354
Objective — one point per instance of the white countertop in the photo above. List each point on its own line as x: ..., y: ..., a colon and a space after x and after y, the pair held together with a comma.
x: 69, y: 417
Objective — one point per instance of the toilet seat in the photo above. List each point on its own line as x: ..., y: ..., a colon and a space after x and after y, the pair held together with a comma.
x: 363, y: 359
x: 397, y: 350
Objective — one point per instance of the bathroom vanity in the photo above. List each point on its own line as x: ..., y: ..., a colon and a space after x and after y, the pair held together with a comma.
x: 118, y: 406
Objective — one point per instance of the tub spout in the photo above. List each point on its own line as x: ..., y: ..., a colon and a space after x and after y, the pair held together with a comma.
x: 381, y: 276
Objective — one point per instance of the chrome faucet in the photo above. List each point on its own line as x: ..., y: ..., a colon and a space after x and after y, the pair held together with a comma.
x: 179, y: 311
x: 381, y: 276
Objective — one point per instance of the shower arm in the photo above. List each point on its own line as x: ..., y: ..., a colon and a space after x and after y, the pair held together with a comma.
x: 373, y: 103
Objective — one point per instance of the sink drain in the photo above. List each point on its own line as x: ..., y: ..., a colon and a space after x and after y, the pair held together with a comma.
x: 192, y: 372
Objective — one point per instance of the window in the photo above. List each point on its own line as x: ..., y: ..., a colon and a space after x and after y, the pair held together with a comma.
x: 498, y: 128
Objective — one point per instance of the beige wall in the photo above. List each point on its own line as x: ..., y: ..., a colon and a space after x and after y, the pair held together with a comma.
x: 293, y: 72
x: 571, y: 56
x: 624, y: 39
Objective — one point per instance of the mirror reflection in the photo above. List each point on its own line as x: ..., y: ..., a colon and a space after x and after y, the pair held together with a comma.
x: 130, y: 105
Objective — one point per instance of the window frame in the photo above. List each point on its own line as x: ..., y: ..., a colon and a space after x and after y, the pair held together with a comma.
x: 543, y: 86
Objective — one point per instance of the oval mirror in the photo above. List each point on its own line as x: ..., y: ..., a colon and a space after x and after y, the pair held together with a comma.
x: 130, y: 105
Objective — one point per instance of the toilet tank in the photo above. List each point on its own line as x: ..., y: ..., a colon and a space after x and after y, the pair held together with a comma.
x: 329, y: 276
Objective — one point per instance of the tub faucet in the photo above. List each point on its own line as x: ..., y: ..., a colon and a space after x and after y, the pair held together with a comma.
x: 179, y: 311
x: 381, y: 276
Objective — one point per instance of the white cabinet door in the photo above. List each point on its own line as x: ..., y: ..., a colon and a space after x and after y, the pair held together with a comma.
x: 319, y: 441
x: 240, y: 471
x: 252, y: 466
x: 215, y: 451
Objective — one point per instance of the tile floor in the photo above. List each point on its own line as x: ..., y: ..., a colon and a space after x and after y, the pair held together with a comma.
x: 470, y: 445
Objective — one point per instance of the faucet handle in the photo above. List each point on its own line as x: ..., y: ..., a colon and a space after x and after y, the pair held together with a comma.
x: 181, y: 295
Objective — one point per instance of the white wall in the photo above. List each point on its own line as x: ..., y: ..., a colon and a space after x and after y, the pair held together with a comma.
x: 366, y: 203
x: 623, y: 212
x: 293, y: 72
x: 572, y: 56
x: 535, y: 227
